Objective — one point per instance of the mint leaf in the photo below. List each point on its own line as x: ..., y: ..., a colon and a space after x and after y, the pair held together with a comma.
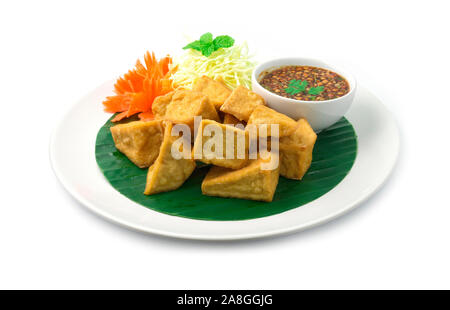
x: 196, y: 45
x: 292, y: 90
x: 294, y: 83
x: 296, y: 86
x: 223, y: 42
x: 208, y: 50
x: 315, y: 90
x: 206, y: 38
x: 206, y: 45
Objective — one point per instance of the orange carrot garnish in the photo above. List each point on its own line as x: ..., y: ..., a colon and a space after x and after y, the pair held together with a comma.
x: 146, y: 116
x: 138, y: 88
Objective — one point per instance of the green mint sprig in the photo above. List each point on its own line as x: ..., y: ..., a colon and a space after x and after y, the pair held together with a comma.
x: 207, y: 45
x: 315, y: 90
x: 298, y: 86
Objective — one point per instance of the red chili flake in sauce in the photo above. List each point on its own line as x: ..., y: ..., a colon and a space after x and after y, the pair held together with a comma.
x: 331, y: 84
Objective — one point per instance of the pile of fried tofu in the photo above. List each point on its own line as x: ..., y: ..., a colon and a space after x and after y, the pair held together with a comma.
x: 238, y: 172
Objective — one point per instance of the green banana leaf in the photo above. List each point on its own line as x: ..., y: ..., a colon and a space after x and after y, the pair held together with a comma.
x: 333, y: 157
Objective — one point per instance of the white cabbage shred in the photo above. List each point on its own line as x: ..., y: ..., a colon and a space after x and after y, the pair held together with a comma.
x: 233, y: 64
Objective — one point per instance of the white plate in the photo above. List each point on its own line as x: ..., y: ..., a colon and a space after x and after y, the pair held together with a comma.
x: 72, y: 153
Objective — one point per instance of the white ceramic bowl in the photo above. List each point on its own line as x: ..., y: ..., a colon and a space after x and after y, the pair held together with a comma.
x: 320, y: 114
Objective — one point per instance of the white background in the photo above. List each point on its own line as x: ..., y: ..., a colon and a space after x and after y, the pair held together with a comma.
x: 52, y: 53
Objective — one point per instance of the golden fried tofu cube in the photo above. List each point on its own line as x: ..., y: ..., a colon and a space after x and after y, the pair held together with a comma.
x: 220, y: 80
x: 251, y: 182
x: 241, y: 103
x: 168, y: 173
x: 160, y: 104
x: 221, y: 145
x: 296, y: 151
x: 139, y: 141
x: 216, y: 91
x: 231, y: 120
x: 186, y: 104
x: 264, y: 115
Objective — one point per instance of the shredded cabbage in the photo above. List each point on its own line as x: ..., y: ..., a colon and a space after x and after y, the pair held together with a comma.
x: 233, y: 64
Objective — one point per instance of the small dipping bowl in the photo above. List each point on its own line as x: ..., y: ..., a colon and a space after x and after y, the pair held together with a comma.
x: 319, y: 114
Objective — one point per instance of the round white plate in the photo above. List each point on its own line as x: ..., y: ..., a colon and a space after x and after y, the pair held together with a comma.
x: 72, y: 153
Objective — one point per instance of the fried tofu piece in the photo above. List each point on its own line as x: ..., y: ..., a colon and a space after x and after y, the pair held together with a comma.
x: 168, y: 173
x: 139, y: 141
x: 231, y: 120
x: 230, y: 149
x: 251, y: 182
x: 220, y: 80
x: 216, y: 91
x: 296, y: 151
x: 186, y: 104
x: 241, y: 103
x: 264, y: 115
x: 160, y: 104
